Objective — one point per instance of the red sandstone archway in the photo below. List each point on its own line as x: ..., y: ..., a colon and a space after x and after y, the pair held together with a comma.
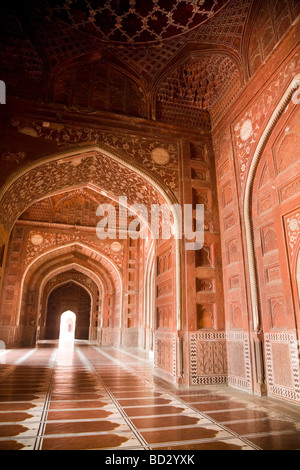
x: 271, y: 224
x: 42, y: 267
x: 81, y: 277
x: 105, y: 172
x: 99, y: 169
x: 68, y: 297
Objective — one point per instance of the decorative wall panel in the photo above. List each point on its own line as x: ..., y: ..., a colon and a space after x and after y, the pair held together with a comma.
x: 239, y: 368
x: 165, y: 356
x: 137, y: 148
x: 249, y: 127
x: 208, y: 358
x: 282, y: 362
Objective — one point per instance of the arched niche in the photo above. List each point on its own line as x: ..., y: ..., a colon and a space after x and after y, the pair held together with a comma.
x: 69, y: 296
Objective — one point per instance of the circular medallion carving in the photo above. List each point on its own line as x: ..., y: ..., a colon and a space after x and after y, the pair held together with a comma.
x: 246, y: 130
x: 294, y: 225
x: 116, y: 246
x: 160, y: 156
x: 37, y: 239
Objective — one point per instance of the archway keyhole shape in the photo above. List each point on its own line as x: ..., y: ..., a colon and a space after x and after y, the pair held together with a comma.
x: 67, y: 327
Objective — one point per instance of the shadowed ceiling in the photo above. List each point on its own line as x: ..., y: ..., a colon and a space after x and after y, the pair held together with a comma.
x: 176, y: 61
x: 139, y: 21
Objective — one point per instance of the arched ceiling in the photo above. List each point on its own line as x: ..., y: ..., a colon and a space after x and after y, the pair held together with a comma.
x: 74, y: 273
x: 77, y: 207
x: 91, y: 169
x: 140, y: 36
x: 70, y: 254
x: 134, y: 21
x: 66, y: 45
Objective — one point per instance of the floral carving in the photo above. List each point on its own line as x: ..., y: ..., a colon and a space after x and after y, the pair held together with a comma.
x: 92, y: 168
x: 52, y: 240
x: 258, y: 115
x: 293, y: 232
x: 137, y: 148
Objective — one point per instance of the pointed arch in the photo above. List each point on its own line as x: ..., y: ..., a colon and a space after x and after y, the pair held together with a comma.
x: 95, y: 277
x: 63, y: 247
x: 159, y: 191
x: 248, y: 221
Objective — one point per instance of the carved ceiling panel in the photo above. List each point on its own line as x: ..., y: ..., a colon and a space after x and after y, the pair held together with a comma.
x: 226, y: 28
x: 134, y: 21
x: 56, y: 176
x: 200, y: 82
x: 76, y: 207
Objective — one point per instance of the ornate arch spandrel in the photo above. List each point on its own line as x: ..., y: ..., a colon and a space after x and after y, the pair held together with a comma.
x: 248, y: 221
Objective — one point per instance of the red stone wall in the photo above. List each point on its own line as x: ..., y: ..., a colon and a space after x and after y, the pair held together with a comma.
x: 269, y: 358
x: 276, y: 197
x: 165, y: 321
x: 131, y: 310
x: 10, y: 293
x: 203, y: 323
x: 270, y: 21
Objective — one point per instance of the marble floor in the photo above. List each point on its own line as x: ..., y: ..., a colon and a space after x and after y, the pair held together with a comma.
x: 72, y: 397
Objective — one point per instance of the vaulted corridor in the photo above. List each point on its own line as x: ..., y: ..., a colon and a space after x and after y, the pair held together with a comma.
x: 150, y: 197
x: 67, y: 396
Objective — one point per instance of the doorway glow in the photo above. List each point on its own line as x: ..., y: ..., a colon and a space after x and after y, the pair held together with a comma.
x: 67, y: 326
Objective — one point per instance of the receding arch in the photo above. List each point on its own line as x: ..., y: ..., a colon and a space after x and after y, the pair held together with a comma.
x: 248, y: 221
x: 83, y: 158
x: 62, y: 247
x: 101, y: 285
x: 60, y: 301
x: 94, y: 296
x: 67, y: 267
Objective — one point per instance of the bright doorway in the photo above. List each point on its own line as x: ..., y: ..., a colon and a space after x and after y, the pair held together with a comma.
x: 67, y: 327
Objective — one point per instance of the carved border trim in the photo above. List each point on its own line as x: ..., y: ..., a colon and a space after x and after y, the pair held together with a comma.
x: 281, y: 107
